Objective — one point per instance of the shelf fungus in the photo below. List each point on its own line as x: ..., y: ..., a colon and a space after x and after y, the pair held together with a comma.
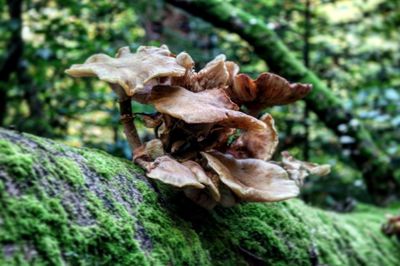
x: 206, y: 144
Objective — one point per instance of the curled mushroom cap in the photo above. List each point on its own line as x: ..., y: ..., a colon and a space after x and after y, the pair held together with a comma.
x: 202, y: 177
x: 217, y: 73
x: 214, y: 74
x: 132, y: 70
x: 209, y: 106
x: 259, y: 144
x: 233, y: 70
x: 267, y: 90
x: 252, y: 179
x: 298, y: 170
x: 207, y: 198
x: 173, y: 173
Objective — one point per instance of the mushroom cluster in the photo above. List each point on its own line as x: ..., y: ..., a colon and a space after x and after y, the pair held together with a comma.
x: 209, y: 139
x: 392, y: 226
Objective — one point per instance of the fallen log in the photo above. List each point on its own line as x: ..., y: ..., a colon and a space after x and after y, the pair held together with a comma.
x: 61, y: 205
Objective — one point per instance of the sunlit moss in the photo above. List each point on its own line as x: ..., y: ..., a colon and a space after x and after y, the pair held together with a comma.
x: 100, y: 163
x: 69, y: 170
x: 17, y: 164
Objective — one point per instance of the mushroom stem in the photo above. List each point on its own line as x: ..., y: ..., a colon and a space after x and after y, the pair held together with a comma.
x: 127, y: 120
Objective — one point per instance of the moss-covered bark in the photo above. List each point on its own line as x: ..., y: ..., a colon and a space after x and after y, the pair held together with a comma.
x: 61, y: 205
x: 376, y: 166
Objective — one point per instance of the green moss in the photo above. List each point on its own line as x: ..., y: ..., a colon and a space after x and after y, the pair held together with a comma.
x: 45, y: 223
x: 108, y: 167
x: 177, y: 231
x: 174, y: 241
x: 17, y: 163
x: 47, y: 144
x: 69, y: 170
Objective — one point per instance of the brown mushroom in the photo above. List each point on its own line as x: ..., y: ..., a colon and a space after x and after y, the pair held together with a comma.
x: 392, y: 226
x: 207, y: 198
x: 173, y: 173
x: 209, y: 106
x: 298, y: 170
x: 214, y: 74
x: 202, y: 177
x: 252, y: 179
x: 267, y: 90
x: 133, y: 75
x: 259, y: 144
x: 129, y: 70
x: 198, y: 113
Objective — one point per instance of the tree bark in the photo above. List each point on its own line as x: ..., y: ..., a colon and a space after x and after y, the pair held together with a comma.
x: 376, y: 166
x: 68, y: 206
x: 12, y: 60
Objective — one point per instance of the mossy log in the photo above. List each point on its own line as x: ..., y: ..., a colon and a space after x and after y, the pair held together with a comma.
x: 68, y: 206
x: 376, y: 166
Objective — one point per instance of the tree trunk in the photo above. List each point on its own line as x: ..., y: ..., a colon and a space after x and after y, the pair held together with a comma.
x: 375, y: 165
x: 67, y: 206
x: 14, y: 54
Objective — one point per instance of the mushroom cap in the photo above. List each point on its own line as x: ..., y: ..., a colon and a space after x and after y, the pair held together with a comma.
x: 131, y: 70
x: 202, y: 177
x: 267, y: 90
x: 259, y: 144
x: 299, y: 170
x: 214, y: 74
x: 172, y: 172
x: 208, y: 106
x: 252, y: 179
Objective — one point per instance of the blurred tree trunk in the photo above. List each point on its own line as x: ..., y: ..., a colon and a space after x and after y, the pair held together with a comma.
x: 13, y: 64
x: 306, y: 61
x: 375, y: 165
x: 12, y: 60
